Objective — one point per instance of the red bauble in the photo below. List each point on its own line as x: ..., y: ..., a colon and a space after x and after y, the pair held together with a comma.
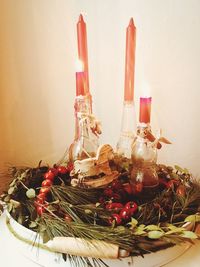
x: 62, y: 170
x: 49, y: 175
x: 131, y: 207
x: 45, y: 189
x: 114, y: 206
x: 125, y: 214
x: 47, y: 182
x: 40, y: 210
x: 115, y: 217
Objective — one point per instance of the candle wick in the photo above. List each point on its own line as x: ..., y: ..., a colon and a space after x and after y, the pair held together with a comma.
x: 131, y: 23
x: 81, y: 18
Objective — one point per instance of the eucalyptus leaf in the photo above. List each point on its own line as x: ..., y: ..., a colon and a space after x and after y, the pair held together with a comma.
x: 32, y: 224
x: 15, y: 203
x: 153, y: 227
x: 13, y: 182
x: 179, y: 169
x: 189, y: 234
x: 7, y: 198
x: 11, y: 190
x: 139, y: 232
x: 30, y: 193
x: 193, y: 218
x: 45, y: 237
x: 20, y: 219
x: 155, y: 234
x: 174, y: 176
x: 87, y: 211
x: 42, y: 228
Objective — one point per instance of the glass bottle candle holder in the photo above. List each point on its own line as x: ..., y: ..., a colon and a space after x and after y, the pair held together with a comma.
x: 85, y: 143
x: 144, y: 158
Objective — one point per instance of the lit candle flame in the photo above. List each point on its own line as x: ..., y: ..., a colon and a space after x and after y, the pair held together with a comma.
x: 79, y: 66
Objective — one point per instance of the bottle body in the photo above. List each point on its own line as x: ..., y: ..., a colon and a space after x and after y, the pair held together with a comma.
x: 86, y: 140
x: 144, y: 158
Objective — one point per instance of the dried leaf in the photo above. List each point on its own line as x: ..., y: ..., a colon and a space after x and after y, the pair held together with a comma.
x: 164, y: 140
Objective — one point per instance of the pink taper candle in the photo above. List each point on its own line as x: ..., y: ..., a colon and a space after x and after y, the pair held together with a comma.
x: 82, y: 49
x: 130, y: 61
x: 145, y: 109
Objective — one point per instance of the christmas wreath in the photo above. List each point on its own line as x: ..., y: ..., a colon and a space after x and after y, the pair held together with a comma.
x: 131, y: 220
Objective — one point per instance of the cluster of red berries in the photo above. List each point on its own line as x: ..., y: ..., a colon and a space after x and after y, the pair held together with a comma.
x: 122, y: 213
x: 113, y: 196
x: 49, y: 177
x: 174, y: 185
x: 118, y: 191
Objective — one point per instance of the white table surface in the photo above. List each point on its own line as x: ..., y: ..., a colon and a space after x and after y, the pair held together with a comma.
x: 9, y: 258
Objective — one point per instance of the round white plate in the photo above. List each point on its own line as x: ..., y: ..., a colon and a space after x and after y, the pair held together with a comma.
x: 45, y: 258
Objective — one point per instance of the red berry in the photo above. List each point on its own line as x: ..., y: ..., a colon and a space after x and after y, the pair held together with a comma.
x: 172, y: 183
x: 108, y: 192
x: 115, y: 217
x: 101, y: 199
x: 116, y: 185
x: 62, y: 170
x: 40, y: 210
x: 114, y: 206
x: 70, y: 167
x: 38, y: 203
x: 49, y: 175
x: 68, y: 218
x: 180, y: 191
x: 125, y: 214
x: 162, y: 182
x: 41, y: 197
x: 128, y: 188
x: 131, y: 206
x: 116, y: 197
x: 54, y: 171
x: 47, y: 182
x: 45, y: 190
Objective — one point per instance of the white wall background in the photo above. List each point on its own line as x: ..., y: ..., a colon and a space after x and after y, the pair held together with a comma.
x: 38, y: 49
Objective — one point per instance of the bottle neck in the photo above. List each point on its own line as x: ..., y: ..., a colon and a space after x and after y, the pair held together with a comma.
x: 128, y: 128
x: 128, y: 124
x: 82, y: 106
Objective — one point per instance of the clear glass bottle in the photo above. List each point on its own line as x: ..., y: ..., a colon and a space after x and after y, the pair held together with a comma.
x: 144, y: 158
x: 85, y: 143
x: 128, y: 128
